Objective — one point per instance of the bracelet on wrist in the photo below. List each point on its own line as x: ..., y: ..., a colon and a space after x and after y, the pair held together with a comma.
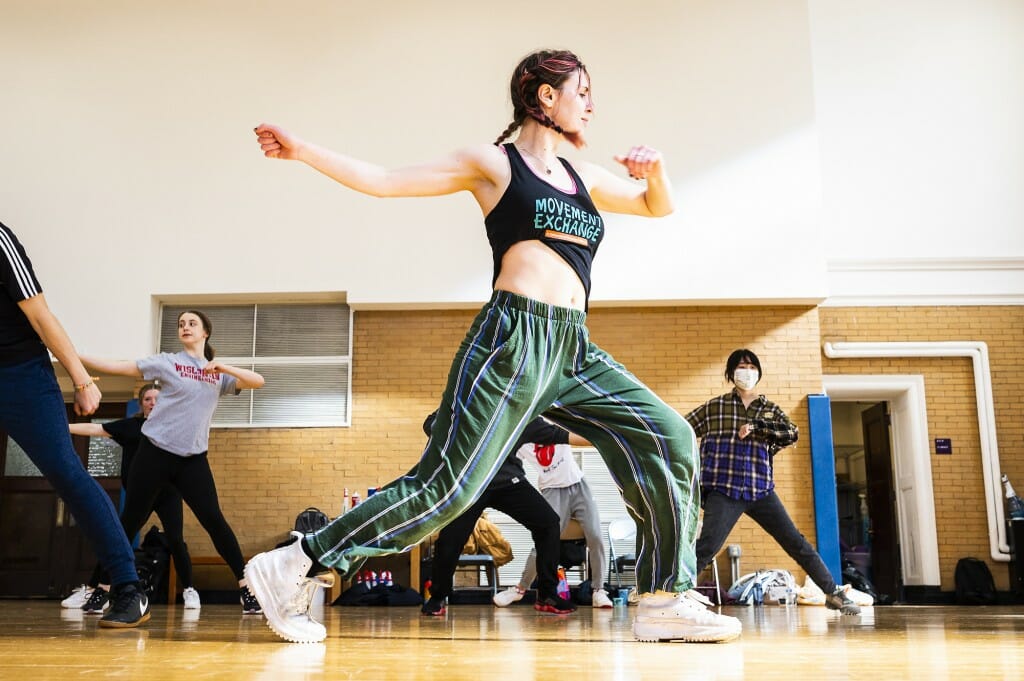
x: 80, y: 388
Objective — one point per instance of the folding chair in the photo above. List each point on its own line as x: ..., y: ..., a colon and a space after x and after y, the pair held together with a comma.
x: 621, y: 549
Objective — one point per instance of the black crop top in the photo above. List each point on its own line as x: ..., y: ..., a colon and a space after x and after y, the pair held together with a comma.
x: 567, y: 222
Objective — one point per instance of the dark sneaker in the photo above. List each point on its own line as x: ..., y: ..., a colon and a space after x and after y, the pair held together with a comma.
x: 434, y: 606
x: 98, y: 601
x: 839, y: 600
x: 130, y: 608
x: 250, y: 606
x: 555, y: 605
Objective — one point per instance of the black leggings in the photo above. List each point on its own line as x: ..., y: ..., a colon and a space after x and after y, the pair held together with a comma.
x: 524, y: 504
x: 155, y: 468
x: 168, y: 508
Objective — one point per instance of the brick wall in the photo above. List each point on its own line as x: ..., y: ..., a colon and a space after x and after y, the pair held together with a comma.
x: 949, y: 391
x: 401, y: 358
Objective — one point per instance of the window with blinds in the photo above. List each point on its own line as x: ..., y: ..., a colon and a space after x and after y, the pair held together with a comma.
x: 609, y: 504
x: 303, y: 350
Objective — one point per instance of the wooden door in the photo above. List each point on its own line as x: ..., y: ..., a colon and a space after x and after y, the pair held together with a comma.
x: 881, y: 498
x: 42, y: 551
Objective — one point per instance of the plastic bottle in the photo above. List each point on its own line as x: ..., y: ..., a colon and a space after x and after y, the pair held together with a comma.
x: 1014, y: 504
x: 345, y: 502
x: 355, y: 499
x: 563, y: 585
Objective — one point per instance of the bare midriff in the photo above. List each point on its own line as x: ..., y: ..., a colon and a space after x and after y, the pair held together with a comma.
x: 531, y: 269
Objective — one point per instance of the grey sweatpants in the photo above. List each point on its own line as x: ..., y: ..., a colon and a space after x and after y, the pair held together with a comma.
x: 575, y: 502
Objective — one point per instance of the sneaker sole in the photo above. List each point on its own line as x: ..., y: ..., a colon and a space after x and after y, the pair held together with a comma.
x: 438, y: 613
x: 551, y: 610
x: 653, y: 631
x: 264, y: 594
x: 124, y: 625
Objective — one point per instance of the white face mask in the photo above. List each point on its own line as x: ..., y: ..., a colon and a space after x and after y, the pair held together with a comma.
x: 745, y: 379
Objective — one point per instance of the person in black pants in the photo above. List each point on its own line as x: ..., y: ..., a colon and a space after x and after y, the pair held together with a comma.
x: 128, y: 433
x: 175, y: 438
x: 510, y: 493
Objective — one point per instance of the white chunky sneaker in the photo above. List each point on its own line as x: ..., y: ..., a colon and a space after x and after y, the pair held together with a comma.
x: 191, y: 598
x: 601, y: 599
x: 664, y: 616
x: 78, y: 598
x: 508, y: 597
x: 278, y: 580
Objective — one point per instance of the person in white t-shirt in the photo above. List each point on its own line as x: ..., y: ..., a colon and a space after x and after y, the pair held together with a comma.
x: 562, y: 484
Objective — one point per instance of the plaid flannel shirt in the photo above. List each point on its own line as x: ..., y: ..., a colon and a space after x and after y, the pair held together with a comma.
x: 740, y: 469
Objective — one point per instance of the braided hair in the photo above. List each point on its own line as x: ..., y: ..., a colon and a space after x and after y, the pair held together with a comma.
x: 551, y: 67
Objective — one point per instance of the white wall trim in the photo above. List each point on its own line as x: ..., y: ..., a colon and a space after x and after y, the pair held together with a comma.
x: 977, y: 351
x: 876, y: 282
x: 923, y: 264
x: 915, y: 507
x: 904, y: 300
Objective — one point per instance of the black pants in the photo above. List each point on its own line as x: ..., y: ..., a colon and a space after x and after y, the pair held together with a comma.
x: 155, y: 468
x: 722, y: 512
x: 524, y: 504
x: 168, y: 509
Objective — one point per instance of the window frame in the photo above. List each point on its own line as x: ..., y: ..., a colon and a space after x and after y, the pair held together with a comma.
x: 250, y: 362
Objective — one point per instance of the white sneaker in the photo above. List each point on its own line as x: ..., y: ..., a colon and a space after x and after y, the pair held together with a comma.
x: 78, y: 598
x: 508, y: 597
x: 664, y: 616
x: 278, y: 580
x: 601, y: 599
x: 191, y: 598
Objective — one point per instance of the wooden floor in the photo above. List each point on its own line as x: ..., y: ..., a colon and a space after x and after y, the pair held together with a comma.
x: 42, y: 641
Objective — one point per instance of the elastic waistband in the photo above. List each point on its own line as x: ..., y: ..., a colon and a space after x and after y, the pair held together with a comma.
x: 537, y: 308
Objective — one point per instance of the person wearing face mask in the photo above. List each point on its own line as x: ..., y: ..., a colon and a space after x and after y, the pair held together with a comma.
x: 740, y: 433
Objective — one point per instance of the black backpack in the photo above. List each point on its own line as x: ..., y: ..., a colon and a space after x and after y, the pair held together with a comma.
x: 974, y: 583
x: 311, y: 520
x: 152, y: 559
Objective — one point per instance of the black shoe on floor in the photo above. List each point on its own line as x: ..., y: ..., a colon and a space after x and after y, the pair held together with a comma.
x: 250, y: 606
x: 434, y: 607
x: 129, y: 608
x: 555, y: 605
x: 98, y: 601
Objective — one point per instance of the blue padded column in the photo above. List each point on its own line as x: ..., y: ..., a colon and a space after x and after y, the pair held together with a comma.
x: 823, y: 472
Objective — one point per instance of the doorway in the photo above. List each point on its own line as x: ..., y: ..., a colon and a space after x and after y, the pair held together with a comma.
x: 866, y: 495
x: 916, y: 534
x: 43, y: 553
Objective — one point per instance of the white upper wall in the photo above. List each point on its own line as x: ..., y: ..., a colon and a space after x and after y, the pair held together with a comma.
x: 919, y: 110
x: 131, y: 172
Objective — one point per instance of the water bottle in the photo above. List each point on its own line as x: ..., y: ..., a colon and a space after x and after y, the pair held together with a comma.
x: 563, y: 585
x: 1014, y: 504
x: 344, y: 502
x: 757, y: 594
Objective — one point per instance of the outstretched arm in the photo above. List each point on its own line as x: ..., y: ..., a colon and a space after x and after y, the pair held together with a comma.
x: 577, y: 441
x: 245, y: 379
x: 115, y: 367
x: 88, y: 429
x: 468, y: 169
x: 53, y: 335
x: 616, y: 195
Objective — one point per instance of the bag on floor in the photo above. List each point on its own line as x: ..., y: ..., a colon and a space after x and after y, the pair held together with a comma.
x: 974, y: 583
x: 152, y: 559
x: 487, y: 538
x: 755, y: 588
x: 363, y: 594
x: 311, y: 520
